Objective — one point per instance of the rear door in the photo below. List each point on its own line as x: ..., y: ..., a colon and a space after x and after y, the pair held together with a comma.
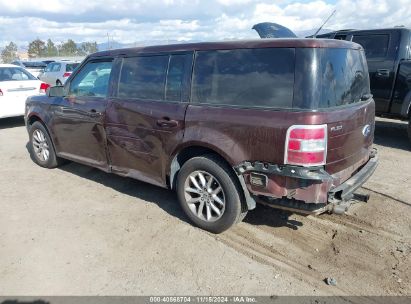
x: 380, y: 50
x: 145, y: 120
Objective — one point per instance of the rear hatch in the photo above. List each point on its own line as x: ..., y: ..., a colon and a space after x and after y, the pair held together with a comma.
x: 335, y: 82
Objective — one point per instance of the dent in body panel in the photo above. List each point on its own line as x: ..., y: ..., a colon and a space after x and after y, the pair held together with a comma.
x: 138, y: 146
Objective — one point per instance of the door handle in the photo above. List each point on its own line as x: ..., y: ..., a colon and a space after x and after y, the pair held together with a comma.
x: 383, y: 73
x: 166, y: 122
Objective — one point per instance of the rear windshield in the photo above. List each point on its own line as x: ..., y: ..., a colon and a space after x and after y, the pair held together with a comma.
x: 34, y: 64
x: 327, y: 78
x: 71, y: 67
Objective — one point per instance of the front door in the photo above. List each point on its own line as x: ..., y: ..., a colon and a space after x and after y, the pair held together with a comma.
x: 145, y: 121
x: 77, y: 123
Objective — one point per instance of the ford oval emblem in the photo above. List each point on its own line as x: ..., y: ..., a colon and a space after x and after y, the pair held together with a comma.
x: 366, y: 130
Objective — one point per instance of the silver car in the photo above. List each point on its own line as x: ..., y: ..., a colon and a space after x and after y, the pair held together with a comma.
x: 56, y: 73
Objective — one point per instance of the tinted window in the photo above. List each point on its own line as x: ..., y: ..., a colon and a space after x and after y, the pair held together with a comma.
x: 12, y: 74
x: 245, y: 77
x: 71, y: 66
x: 143, y: 77
x: 375, y: 46
x: 92, y: 80
x: 329, y: 78
x: 175, y: 77
x: 34, y: 64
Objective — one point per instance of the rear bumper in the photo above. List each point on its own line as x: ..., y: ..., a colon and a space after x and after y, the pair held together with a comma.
x: 303, y: 188
x: 345, y: 191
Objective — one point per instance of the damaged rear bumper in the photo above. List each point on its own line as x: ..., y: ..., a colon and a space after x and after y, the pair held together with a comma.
x: 304, y: 190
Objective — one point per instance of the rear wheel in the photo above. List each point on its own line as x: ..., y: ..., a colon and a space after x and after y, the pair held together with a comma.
x: 41, y: 147
x: 209, y: 194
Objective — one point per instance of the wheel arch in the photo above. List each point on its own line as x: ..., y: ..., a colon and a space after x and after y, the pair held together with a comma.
x: 189, y: 151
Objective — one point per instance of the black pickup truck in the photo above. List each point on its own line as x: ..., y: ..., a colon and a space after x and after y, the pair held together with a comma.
x: 388, y: 53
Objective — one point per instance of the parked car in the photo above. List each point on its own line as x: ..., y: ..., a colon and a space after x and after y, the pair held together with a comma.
x: 48, y: 61
x: 388, y: 53
x: 56, y: 73
x: 288, y: 122
x: 16, y: 84
x: 34, y: 67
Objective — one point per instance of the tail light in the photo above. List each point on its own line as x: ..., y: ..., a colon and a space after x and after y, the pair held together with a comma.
x: 306, y: 145
x: 1, y: 92
x: 43, y: 87
x: 66, y: 74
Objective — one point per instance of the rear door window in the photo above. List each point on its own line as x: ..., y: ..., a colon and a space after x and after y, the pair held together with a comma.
x: 143, y: 77
x: 244, y: 77
x: 179, y: 68
x: 375, y: 46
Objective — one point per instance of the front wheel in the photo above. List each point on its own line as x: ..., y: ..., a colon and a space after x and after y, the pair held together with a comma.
x: 41, y: 147
x: 209, y: 194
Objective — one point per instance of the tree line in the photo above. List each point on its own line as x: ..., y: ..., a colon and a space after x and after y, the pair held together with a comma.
x: 39, y: 48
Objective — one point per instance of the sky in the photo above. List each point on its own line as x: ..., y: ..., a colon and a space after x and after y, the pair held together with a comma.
x: 142, y: 21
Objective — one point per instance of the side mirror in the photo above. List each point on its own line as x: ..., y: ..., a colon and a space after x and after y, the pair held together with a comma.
x: 56, y: 91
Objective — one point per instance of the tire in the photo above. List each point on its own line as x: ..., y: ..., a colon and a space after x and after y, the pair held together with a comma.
x: 40, y: 141
x: 409, y: 129
x: 216, y: 175
x: 58, y: 83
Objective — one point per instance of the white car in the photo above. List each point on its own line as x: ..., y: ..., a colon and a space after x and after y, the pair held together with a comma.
x: 16, y: 84
x: 56, y: 73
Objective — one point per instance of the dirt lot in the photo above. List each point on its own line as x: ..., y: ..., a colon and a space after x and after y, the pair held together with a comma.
x: 78, y: 231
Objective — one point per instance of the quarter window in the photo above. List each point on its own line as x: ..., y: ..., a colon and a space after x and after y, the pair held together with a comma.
x: 92, y: 80
x: 245, y: 77
x: 143, y: 77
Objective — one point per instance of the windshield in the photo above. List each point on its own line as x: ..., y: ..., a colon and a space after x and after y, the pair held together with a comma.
x: 329, y: 77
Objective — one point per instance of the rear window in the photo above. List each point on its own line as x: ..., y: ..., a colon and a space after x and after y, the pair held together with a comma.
x: 143, y: 77
x: 15, y: 74
x: 329, y: 77
x: 34, y: 64
x: 245, y: 77
x: 375, y: 46
x: 71, y: 67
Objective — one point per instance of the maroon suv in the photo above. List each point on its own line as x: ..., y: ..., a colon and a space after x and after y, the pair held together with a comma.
x: 286, y: 122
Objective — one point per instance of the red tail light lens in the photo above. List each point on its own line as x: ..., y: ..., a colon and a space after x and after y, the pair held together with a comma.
x: 43, y: 87
x: 66, y: 74
x: 306, y: 145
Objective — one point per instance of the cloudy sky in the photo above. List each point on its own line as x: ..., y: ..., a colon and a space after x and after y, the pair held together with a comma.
x: 136, y: 21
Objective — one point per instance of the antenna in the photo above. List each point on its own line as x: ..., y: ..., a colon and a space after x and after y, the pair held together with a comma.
x: 319, y: 29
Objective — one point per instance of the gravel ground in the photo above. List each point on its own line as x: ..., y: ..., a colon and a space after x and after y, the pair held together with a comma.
x: 78, y: 231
